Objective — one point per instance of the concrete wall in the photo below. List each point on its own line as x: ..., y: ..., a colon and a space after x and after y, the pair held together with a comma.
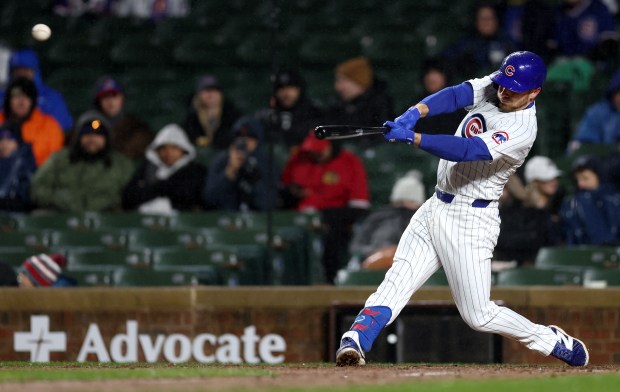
x: 298, y: 314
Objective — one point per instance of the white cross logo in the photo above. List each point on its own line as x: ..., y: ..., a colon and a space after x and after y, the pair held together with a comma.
x: 40, y: 341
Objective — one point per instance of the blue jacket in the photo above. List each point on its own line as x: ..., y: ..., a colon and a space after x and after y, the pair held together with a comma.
x: 601, y: 123
x: 15, y: 174
x: 592, y: 217
x: 50, y: 101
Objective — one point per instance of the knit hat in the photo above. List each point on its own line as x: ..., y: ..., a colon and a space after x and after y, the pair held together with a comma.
x: 287, y: 78
x: 409, y: 188
x: 43, y: 269
x: 248, y: 126
x: 358, y: 70
x: 541, y: 168
x: 94, y: 126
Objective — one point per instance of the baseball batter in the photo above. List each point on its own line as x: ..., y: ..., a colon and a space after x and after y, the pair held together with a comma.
x: 457, y: 228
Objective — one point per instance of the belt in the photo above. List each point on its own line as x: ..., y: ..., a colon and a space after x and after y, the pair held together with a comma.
x: 448, y: 197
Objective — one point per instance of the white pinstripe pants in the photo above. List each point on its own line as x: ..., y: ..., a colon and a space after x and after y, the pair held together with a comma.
x: 460, y: 238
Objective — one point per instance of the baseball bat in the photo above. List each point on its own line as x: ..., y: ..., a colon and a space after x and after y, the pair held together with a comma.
x: 332, y: 132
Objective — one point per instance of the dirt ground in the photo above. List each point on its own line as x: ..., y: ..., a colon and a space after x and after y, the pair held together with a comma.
x: 312, y: 376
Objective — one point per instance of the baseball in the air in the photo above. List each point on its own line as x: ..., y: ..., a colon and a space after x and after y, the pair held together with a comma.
x: 41, y: 32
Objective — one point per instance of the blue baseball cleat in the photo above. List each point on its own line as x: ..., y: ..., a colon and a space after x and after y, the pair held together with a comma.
x: 568, y: 349
x: 349, y: 354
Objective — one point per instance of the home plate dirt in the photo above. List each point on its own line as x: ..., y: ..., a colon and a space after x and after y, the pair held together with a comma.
x: 313, y: 376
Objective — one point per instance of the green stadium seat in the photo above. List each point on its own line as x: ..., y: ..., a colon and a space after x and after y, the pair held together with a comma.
x: 239, y: 265
x: 78, y: 260
x: 438, y: 279
x: 70, y: 51
x: 37, y: 241
x: 59, y: 221
x: 577, y: 257
x: 328, y: 49
x: 537, y: 277
x: 91, y: 278
x: 208, y: 220
x: 95, y: 240
x: 133, y: 277
x: 199, y: 51
x: 128, y: 221
x: 360, y: 277
x: 139, y: 50
x: 598, y: 278
x: 139, y: 239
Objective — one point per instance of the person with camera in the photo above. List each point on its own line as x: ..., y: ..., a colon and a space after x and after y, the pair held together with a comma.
x: 238, y: 178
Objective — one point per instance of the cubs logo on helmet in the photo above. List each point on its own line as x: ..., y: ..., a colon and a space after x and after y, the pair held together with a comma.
x: 474, y: 125
x: 500, y: 137
x: 509, y: 70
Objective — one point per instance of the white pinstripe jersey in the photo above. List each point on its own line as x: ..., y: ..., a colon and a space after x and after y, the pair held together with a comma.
x: 508, y: 136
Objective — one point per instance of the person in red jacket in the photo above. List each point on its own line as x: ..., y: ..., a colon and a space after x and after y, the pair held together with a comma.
x: 321, y: 176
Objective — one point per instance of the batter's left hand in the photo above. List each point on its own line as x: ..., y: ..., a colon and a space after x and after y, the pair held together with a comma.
x: 397, y: 133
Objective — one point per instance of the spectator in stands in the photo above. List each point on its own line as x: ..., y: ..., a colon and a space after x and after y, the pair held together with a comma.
x: 601, y: 123
x: 170, y: 180
x: 524, y: 229
x: 375, y: 240
x: 542, y: 188
x: 362, y: 98
x: 73, y: 8
x: 290, y: 114
x: 129, y: 134
x: 585, y: 28
x: 592, y: 214
x: 17, y: 167
x: 238, y: 178
x: 484, y: 48
x: 435, y: 77
x: 86, y: 176
x: 25, y: 63
x: 527, y: 24
x: 41, y: 130
x: 44, y: 270
x: 322, y: 176
x: 211, y: 116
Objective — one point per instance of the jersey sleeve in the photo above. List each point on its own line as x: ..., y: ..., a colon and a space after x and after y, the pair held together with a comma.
x: 482, y: 88
x: 512, y: 143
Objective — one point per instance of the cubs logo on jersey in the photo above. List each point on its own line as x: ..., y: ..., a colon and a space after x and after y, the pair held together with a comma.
x: 474, y: 125
x: 500, y: 137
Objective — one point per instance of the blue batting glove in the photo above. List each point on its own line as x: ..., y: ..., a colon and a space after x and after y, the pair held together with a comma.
x: 397, y: 133
x: 408, y: 119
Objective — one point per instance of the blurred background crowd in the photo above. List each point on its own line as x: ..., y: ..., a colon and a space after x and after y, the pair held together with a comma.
x: 164, y: 107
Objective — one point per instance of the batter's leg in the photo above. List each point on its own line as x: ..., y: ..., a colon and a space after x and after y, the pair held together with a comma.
x: 414, y: 262
x: 467, y: 238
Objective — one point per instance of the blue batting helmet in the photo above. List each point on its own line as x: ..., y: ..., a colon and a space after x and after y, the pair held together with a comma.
x: 520, y: 72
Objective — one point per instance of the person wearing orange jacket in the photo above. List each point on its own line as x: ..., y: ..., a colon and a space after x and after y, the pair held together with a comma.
x: 41, y: 130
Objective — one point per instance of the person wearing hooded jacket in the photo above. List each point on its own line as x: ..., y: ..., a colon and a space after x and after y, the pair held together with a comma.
x: 601, y: 123
x: 290, y: 114
x: 41, y: 130
x: 170, y: 179
x: 86, y: 176
x: 25, y: 63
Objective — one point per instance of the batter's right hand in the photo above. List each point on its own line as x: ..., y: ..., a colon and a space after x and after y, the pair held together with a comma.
x: 397, y: 133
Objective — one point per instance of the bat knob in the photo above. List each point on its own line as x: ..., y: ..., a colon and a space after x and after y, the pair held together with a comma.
x: 319, y: 133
